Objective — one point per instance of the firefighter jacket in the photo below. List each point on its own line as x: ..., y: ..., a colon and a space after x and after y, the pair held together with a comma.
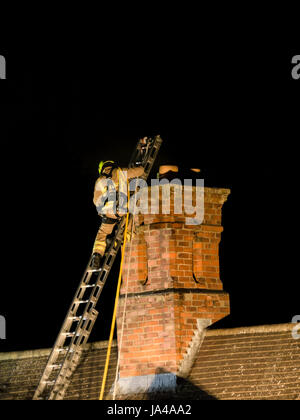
x: 105, y: 191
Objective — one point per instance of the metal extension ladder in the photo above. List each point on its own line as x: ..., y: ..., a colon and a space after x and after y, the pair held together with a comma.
x: 81, y: 316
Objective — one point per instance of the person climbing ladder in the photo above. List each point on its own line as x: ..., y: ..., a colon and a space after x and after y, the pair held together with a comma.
x: 107, y: 188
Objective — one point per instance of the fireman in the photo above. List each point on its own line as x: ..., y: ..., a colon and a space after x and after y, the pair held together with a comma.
x: 105, y: 199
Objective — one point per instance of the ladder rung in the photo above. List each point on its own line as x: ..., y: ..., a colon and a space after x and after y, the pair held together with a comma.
x: 75, y: 318
x: 85, y: 286
x: 80, y: 301
x: 68, y: 334
x: 54, y: 366
x: 49, y: 382
x: 62, y: 349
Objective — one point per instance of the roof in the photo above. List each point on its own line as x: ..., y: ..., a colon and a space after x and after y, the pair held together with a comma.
x: 249, y: 363
x: 261, y: 362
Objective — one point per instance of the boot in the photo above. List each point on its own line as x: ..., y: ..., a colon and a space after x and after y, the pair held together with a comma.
x: 96, y: 260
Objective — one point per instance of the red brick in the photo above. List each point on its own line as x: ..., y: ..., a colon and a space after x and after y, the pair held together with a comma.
x: 171, y: 251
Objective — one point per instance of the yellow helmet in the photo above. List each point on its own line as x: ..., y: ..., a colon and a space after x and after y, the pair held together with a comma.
x: 104, y: 164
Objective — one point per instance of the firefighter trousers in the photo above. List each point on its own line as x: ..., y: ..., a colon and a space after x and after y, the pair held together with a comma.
x: 105, y: 229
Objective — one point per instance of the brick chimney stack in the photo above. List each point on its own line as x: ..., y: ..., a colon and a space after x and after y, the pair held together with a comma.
x: 172, y: 279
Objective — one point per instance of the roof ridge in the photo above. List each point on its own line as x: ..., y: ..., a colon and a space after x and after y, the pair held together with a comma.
x: 251, y: 329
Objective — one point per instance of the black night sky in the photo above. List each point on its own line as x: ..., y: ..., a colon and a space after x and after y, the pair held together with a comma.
x: 233, y: 114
